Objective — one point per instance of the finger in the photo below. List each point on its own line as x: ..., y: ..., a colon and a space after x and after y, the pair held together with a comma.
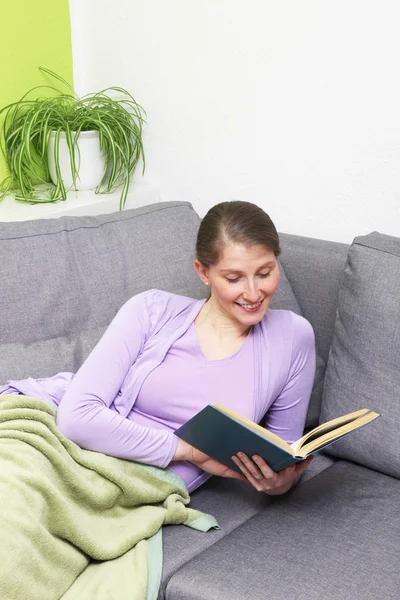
x: 258, y: 484
x: 258, y: 471
x: 263, y: 466
x: 245, y: 470
x: 271, y: 477
x: 280, y: 477
x: 234, y: 475
x: 300, y: 467
x: 241, y: 465
x: 285, y: 477
x: 282, y: 474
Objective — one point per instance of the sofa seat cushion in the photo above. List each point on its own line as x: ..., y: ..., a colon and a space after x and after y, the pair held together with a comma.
x: 334, y: 537
x: 364, y: 363
x: 232, y: 503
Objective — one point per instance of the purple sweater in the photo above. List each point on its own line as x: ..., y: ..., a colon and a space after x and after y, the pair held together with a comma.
x: 147, y: 376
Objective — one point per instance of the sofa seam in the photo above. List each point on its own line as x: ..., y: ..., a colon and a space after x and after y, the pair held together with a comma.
x: 376, y: 249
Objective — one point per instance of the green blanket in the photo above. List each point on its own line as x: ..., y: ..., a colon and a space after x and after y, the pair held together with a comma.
x: 76, y: 524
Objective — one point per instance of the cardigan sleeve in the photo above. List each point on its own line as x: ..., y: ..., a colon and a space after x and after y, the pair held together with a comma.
x: 287, y: 414
x: 84, y: 415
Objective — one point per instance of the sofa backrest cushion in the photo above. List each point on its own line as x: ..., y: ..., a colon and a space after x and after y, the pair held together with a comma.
x: 364, y: 363
x: 315, y: 270
x: 63, y: 280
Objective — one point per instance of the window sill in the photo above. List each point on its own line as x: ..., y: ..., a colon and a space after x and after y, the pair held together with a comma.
x: 79, y: 203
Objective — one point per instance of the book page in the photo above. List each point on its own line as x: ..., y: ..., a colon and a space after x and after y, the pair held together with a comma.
x: 326, y: 427
x: 337, y: 433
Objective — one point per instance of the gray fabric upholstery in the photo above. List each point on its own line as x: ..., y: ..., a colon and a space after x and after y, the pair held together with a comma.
x: 284, y: 297
x: 63, y: 280
x: 320, y: 463
x: 335, y: 537
x: 232, y: 503
x: 315, y: 269
x: 364, y: 363
x: 180, y: 545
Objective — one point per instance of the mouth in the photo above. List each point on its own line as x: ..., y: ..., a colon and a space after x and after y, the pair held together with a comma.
x: 251, y: 308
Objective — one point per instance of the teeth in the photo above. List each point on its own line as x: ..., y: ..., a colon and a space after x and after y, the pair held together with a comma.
x: 249, y: 306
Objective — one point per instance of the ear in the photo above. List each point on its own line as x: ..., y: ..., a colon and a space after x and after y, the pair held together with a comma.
x: 202, y: 271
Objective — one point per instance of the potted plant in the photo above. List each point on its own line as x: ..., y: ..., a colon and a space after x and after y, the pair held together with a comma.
x: 49, y: 137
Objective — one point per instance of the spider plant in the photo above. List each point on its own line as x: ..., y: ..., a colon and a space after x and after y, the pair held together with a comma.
x: 29, y: 122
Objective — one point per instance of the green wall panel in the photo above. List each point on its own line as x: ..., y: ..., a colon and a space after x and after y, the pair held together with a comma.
x: 34, y: 33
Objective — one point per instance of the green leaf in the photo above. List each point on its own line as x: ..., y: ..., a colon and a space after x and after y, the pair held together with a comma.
x: 29, y: 122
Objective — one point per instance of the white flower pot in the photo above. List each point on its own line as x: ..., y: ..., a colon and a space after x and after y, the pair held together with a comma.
x: 89, y: 160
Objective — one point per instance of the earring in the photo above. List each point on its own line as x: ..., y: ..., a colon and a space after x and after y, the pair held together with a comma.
x: 206, y: 282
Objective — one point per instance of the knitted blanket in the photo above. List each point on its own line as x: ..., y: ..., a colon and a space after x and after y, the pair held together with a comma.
x: 76, y: 524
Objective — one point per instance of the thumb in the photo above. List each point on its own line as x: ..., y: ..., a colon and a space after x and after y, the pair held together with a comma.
x: 304, y: 464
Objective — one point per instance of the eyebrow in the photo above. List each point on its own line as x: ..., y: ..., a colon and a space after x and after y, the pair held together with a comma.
x: 268, y: 264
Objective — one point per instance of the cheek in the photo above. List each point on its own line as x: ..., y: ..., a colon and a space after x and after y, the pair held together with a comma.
x: 229, y: 294
x: 225, y: 293
x: 272, y: 284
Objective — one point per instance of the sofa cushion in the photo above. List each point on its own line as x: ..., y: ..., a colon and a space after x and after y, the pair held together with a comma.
x: 63, y: 280
x: 335, y: 537
x: 232, y: 503
x: 363, y: 366
x: 315, y: 270
x: 284, y: 297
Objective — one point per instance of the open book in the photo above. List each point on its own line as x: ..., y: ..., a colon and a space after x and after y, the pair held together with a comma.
x: 222, y: 433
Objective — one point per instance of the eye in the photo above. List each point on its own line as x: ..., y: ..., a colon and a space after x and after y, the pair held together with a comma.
x: 233, y: 280
x: 264, y: 275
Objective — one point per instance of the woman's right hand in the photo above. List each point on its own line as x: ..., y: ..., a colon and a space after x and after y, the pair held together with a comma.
x: 185, y: 451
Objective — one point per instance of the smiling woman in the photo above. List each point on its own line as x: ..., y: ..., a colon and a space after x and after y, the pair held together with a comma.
x: 237, y: 249
x: 180, y: 354
x: 164, y: 357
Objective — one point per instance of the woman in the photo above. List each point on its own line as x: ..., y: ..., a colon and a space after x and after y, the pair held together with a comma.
x: 164, y: 357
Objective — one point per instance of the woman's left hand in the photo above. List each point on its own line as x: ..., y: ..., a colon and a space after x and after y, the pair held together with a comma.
x: 264, y: 479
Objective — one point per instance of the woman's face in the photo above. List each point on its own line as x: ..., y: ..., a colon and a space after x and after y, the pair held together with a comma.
x: 242, y: 282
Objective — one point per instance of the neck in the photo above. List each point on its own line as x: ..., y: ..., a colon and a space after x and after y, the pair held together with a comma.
x: 214, y: 318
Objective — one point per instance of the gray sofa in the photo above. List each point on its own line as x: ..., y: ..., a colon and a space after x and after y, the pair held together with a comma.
x: 336, y: 535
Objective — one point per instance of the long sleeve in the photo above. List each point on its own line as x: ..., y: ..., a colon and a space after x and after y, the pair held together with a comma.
x: 287, y: 415
x: 84, y: 414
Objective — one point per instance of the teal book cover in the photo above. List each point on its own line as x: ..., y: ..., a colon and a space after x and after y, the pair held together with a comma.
x: 221, y: 433
x: 221, y: 437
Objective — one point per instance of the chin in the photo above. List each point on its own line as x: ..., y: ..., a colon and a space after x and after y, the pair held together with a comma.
x: 253, y: 320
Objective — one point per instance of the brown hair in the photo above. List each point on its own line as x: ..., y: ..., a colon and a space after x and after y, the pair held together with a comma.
x: 238, y: 222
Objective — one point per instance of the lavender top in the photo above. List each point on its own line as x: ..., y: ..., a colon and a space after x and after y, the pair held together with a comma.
x: 147, y: 376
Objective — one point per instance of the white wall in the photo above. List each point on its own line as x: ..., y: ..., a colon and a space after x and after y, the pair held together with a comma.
x: 293, y: 105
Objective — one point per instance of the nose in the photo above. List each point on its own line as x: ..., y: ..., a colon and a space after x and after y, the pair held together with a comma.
x: 251, y: 292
